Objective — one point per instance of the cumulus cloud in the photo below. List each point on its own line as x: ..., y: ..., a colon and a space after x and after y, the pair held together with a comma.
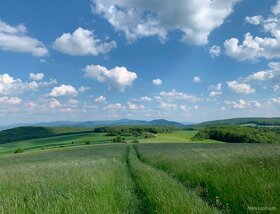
x: 15, y: 38
x: 133, y: 106
x: 254, y: 48
x: 143, y: 99
x: 254, y: 20
x: 167, y: 106
x: 10, y: 100
x: 175, y: 95
x: 82, y: 42
x: 273, y: 73
x: 118, y: 77
x: 138, y: 19
x: 240, y: 88
x: 157, y: 82
x: 83, y: 89
x: 100, y: 99
x: 114, y: 107
x: 36, y: 77
x: 63, y: 90
x: 215, y: 94
x: 276, y: 8
x: 73, y: 102
x: 196, y: 79
x: 276, y: 100
x: 243, y: 104
x: 215, y: 90
x: 215, y: 51
x: 54, y: 103
x: 10, y: 85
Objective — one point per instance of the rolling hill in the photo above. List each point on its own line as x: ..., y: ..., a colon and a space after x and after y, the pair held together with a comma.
x: 92, y: 124
x: 258, y: 121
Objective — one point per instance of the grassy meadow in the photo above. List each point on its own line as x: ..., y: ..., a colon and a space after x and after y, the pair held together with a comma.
x: 232, y: 177
x: 170, y: 175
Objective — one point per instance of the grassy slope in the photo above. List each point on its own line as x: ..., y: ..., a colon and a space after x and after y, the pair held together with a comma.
x: 229, y: 176
x: 51, y: 142
x: 161, y: 193
x: 94, y: 138
x: 88, y: 179
x: 173, y: 137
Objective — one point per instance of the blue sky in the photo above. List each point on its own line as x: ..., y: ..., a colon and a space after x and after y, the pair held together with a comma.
x: 103, y: 59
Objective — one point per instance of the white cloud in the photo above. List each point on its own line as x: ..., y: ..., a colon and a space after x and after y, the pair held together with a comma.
x: 215, y: 51
x: 82, y: 42
x: 276, y: 88
x: 167, y: 106
x: 118, y: 77
x: 276, y: 8
x: 113, y: 107
x: 14, y: 38
x: 83, y: 89
x: 143, y: 99
x: 73, y: 102
x: 215, y: 94
x: 276, y: 100
x: 54, y: 103
x: 240, y: 88
x: 10, y: 101
x: 196, y: 79
x: 272, y: 74
x: 137, y: 19
x: 217, y: 87
x: 242, y: 104
x: 254, y: 20
x: 36, y: 77
x: 63, y: 90
x: 175, y: 95
x: 254, y: 48
x: 100, y: 99
x: 215, y: 90
x: 132, y: 106
x: 157, y: 82
x: 10, y: 85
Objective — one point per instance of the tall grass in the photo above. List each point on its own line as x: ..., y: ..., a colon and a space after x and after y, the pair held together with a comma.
x: 67, y: 181
x: 234, y: 178
x: 161, y: 193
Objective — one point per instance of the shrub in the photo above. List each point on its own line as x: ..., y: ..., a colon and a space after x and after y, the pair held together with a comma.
x: 135, y: 141
x: 87, y: 142
x: 118, y: 139
x: 19, y: 150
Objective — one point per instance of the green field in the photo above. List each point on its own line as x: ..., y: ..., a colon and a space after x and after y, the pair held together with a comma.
x: 93, y: 138
x: 174, y: 137
x: 57, y: 141
x: 175, y: 176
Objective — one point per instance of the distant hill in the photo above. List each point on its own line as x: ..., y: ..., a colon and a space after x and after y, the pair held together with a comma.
x: 93, y: 124
x: 162, y: 122
x: 31, y: 132
x: 258, y: 121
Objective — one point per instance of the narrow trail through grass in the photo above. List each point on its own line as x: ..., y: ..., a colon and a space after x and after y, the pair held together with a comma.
x: 160, y: 193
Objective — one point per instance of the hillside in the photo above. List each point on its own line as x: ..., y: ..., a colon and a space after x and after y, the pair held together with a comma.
x: 31, y: 132
x: 92, y: 124
x: 258, y: 121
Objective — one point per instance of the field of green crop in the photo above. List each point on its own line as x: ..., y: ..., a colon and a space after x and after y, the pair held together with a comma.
x: 138, y: 178
x: 57, y: 141
x: 93, y: 138
x: 232, y: 177
x: 174, y: 137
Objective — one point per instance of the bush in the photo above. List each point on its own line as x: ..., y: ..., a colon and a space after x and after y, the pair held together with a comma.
x: 19, y: 150
x: 87, y: 142
x: 118, y: 139
x: 135, y: 141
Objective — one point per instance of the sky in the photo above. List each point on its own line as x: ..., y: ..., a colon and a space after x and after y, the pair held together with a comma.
x: 182, y: 60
